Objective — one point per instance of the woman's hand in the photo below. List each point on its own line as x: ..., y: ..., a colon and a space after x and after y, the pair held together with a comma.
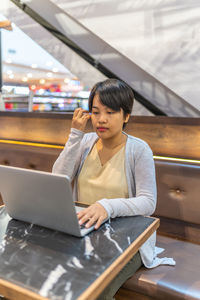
x: 95, y: 213
x: 80, y: 118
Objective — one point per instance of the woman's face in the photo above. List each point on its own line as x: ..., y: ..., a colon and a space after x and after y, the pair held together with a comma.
x: 106, y: 122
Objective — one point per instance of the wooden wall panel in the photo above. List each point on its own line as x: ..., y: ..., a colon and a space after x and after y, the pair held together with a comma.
x: 167, y: 136
x: 35, y: 128
x: 172, y: 140
x: 36, y: 158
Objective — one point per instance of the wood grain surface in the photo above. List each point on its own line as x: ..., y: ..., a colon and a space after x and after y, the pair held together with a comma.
x: 167, y: 136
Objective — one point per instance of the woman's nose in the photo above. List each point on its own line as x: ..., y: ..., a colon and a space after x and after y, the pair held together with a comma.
x: 102, y: 118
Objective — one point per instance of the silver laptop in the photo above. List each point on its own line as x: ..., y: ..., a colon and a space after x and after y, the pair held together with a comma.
x: 40, y: 198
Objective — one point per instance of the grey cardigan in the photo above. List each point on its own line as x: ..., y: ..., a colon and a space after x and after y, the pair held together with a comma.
x: 140, y: 175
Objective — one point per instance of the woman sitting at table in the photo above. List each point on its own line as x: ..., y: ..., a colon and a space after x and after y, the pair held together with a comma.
x: 112, y: 171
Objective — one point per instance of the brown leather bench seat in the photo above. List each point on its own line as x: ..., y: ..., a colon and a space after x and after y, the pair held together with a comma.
x: 170, y: 282
x: 178, y: 208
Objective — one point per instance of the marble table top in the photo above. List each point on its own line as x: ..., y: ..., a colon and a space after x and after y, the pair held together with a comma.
x: 59, y: 266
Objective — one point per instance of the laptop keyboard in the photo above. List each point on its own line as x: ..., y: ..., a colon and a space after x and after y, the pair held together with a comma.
x: 82, y: 226
x: 78, y: 208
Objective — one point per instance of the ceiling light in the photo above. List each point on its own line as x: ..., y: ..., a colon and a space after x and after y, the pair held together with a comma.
x: 66, y: 80
x: 55, y: 70
x: 24, y: 79
x: 34, y: 66
x: 49, y: 74
x: 29, y: 75
x: 8, y: 61
x: 11, y: 76
x: 41, y: 91
x: 9, y: 72
x: 33, y: 86
x: 42, y: 81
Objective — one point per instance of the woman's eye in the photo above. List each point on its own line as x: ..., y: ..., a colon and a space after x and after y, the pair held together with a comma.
x: 95, y: 112
x: 110, y: 112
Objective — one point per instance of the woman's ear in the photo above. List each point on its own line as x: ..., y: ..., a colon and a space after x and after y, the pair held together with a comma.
x: 126, y: 118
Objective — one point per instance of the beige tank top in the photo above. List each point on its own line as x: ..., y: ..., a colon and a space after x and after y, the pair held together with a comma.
x: 96, y: 182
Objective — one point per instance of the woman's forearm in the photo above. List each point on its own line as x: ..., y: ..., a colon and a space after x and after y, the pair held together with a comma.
x: 67, y: 162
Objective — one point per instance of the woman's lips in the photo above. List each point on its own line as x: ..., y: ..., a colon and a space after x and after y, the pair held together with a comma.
x: 102, y: 129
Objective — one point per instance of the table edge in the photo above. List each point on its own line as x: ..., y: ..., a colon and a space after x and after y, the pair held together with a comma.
x: 13, y: 291
x: 106, y: 277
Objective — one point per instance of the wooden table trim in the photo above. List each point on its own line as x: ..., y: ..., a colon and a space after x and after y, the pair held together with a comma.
x: 14, y: 292
x: 99, y: 284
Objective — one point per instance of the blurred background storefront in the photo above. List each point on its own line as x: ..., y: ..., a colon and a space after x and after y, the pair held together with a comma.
x: 33, y: 80
x: 50, y: 60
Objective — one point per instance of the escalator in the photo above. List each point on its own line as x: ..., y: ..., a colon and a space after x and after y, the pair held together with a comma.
x: 93, y: 55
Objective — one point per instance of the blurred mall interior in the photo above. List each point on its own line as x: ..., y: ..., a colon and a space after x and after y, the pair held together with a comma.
x: 158, y: 40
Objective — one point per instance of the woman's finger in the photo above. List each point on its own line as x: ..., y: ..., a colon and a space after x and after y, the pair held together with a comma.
x: 91, y: 221
x: 99, y: 222
x: 81, y: 213
x: 85, y: 118
x: 85, y: 218
x: 76, y: 112
x: 80, y: 113
x: 91, y: 215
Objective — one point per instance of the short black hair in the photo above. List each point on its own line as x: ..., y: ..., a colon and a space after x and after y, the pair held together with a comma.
x: 113, y: 93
